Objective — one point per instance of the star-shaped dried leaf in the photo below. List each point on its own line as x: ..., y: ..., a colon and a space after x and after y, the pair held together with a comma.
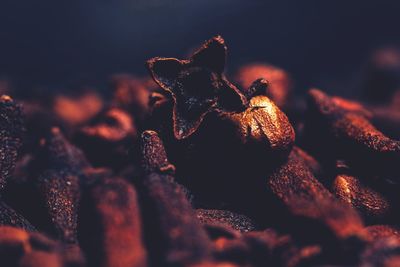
x: 197, y: 85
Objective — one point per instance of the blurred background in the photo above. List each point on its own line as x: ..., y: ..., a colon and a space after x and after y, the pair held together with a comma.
x: 68, y: 44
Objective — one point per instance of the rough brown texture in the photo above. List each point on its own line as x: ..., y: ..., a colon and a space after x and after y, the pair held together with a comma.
x: 180, y: 238
x: 60, y: 184
x: 231, y: 219
x: 305, y: 197
x: 11, y: 130
x: 352, y: 136
x: 368, y: 201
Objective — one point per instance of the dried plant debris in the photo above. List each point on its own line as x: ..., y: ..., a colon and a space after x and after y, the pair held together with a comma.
x: 226, y: 175
x: 372, y: 204
x: 197, y: 86
x: 60, y: 184
x: 179, y: 237
x: 211, y: 114
x: 11, y: 131
x: 311, y: 204
x: 110, y: 225
x: 349, y: 134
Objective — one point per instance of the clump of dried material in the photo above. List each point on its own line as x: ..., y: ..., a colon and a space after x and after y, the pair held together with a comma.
x: 110, y: 225
x: 349, y: 134
x: 231, y: 219
x: 60, y: 184
x: 308, y: 202
x: 197, y: 86
x: 11, y: 131
x: 279, y: 83
x: 263, y: 124
x: 213, y: 120
x: 112, y: 133
x: 79, y: 109
x: 176, y: 236
x: 372, y: 204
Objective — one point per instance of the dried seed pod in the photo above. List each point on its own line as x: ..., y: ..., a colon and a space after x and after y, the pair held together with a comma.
x: 60, y: 185
x: 22, y: 249
x: 231, y: 219
x: 175, y: 234
x: 11, y: 130
x: 197, y: 86
x: 10, y: 217
x: 211, y: 114
x: 110, y: 230
x: 350, y: 135
x: 372, y: 204
x: 279, y: 83
x: 299, y: 193
x: 263, y: 124
x: 113, y: 133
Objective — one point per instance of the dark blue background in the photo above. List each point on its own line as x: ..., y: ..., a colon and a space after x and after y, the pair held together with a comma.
x: 56, y: 44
